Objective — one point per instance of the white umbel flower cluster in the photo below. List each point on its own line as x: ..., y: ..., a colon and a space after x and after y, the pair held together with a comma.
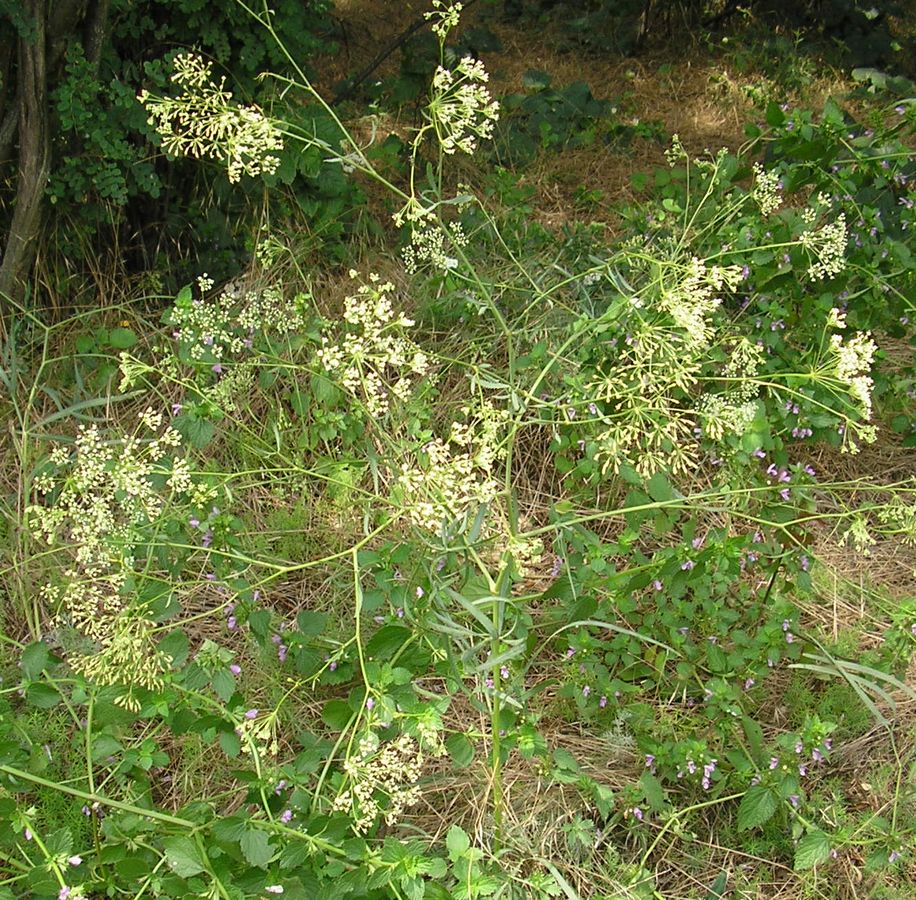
x: 430, y: 246
x: 853, y: 361
x: 766, y: 190
x: 689, y: 297
x: 373, y: 359
x: 100, y: 501
x: 461, y: 108
x: 382, y: 779
x: 457, y: 475
x: 203, y: 121
x: 827, y: 246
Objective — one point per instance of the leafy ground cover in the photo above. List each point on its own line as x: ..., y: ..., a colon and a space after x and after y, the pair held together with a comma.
x: 557, y: 543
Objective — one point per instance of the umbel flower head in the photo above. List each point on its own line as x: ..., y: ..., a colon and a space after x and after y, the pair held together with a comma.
x: 374, y: 359
x: 203, y: 121
x: 461, y: 108
x: 100, y: 503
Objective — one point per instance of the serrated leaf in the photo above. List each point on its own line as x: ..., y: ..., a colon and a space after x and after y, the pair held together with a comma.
x: 457, y: 842
x: 653, y: 790
x: 812, y: 849
x: 223, y: 684
x: 35, y: 658
x: 757, y: 806
x: 183, y: 857
x: 256, y: 848
x: 460, y: 749
x: 122, y: 338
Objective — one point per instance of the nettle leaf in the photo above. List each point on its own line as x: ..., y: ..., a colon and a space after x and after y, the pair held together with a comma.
x: 183, y: 856
x: 757, y: 806
x: 457, y: 842
x: 812, y: 849
x: 652, y: 790
x: 460, y: 749
x: 256, y: 848
x: 35, y: 658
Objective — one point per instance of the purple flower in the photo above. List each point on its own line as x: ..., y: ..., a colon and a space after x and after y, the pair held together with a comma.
x: 759, y: 453
x: 816, y: 755
x: 557, y: 566
x: 286, y: 816
x: 894, y: 856
x: 637, y: 813
x: 658, y: 586
x: 785, y: 493
x: 194, y: 522
x: 207, y: 539
x: 688, y: 565
x: 696, y: 543
x: 418, y: 592
x: 75, y: 860
x: 774, y: 762
x: 231, y: 623
x: 207, y: 340
x: 504, y: 672
x: 488, y: 682
x: 176, y: 408
x: 793, y: 799
x: 282, y: 650
x: 570, y: 653
x: 235, y: 669
x: 803, y: 770
x: 650, y: 760
x: 251, y: 714
x: 63, y: 893
x: 217, y: 369
x: 749, y: 683
x: 332, y: 665
x: 370, y: 703
x: 586, y: 691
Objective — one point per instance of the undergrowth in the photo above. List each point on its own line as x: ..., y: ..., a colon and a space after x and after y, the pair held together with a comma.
x: 487, y: 569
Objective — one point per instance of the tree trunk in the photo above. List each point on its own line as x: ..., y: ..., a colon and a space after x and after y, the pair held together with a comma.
x: 34, y: 159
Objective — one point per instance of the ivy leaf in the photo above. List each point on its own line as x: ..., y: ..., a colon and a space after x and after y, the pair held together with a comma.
x: 757, y: 806
x: 183, y: 856
x: 256, y: 848
x: 812, y: 849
